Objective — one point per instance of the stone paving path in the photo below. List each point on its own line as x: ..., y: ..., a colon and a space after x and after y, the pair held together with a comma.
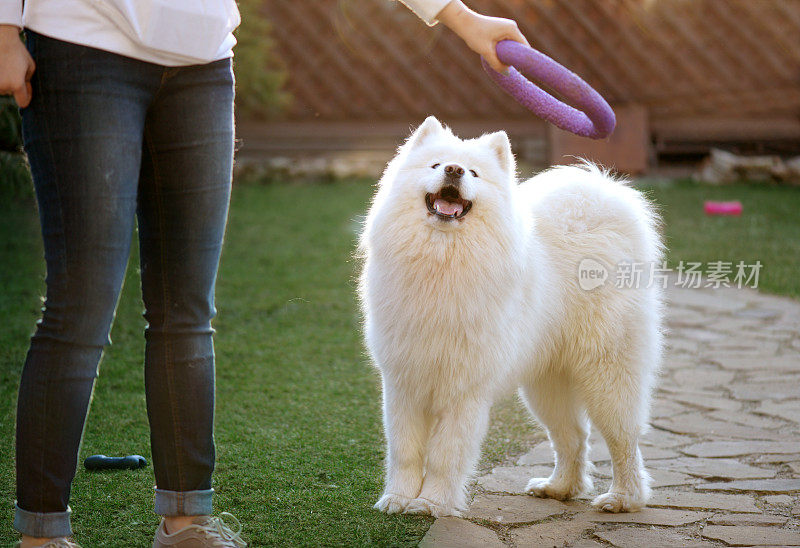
x: 724, y: 450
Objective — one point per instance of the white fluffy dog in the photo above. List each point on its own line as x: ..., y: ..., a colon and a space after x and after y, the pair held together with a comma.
x: 470, y: 286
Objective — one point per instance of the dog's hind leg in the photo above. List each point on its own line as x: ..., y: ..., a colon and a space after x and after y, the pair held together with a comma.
x: 407, y: 430
x: 552, y: 400
x: 615, y: 400
x: 453, y: 452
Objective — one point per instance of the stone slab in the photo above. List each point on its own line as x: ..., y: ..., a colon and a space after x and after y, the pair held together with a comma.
x: 660, y: 478
x: 708, y: 300
x: 663, y: 439
x: 769, y: 407
x: 699, y: 334
x: 721, y: 468
x: 514, y: 508
x: 685, y: 317
x: 540, y: 454
x: 667, y: 478
x: 778, y: 332
x: 769, y: 458
x: 758, y: 313
x: 778, y: 499
x: 586, y: 543
x: 778, y: 485
x: 598, y: 452
x: 703, y: 501
x: 785, y: 305
x: 735, y: 326
x: 512, y: 479
x: 654, y: 452
x: 636, y: 537
x: 700, y: 424
x: 553, y: 533
x: 752, y: 536
x: 651, y: 516
x: 792, y: 415
x: 459, y: 533
x: 708, y: 401
x: 789, y: 410
x: 738, y: 346
x: 739, y: 448
x: 789, y: 377
x: 748, y: 419
x: 763, y: 390
x: 703, y: 377
x: 679, y: 353
x: 772, y: 363
x: 762, y: 520
x: 666, y: 408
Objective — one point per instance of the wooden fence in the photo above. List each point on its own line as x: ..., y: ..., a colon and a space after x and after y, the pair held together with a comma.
x: 704, y: 70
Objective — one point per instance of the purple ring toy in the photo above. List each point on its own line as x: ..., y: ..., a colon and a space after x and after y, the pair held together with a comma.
x: 590, y: 117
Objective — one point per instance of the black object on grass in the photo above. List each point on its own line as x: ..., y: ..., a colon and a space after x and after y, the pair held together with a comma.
x: 102, y: 462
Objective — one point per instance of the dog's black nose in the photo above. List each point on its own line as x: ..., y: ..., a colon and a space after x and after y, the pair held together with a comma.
x: 454, y: 170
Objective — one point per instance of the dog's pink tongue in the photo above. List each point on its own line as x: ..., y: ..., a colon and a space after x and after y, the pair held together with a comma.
x: 447, y: 208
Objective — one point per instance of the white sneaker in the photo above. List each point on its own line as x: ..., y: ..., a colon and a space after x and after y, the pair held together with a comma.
x: 205, y: 532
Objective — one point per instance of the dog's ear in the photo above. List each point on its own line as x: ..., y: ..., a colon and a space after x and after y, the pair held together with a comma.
x: 499, y: 144
x: 430, y: 127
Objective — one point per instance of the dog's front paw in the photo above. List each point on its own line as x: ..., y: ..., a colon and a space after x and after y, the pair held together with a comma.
x: 390, y: 503
x: 617, y: 502
x: 429, y: 508
x: 554, y: 489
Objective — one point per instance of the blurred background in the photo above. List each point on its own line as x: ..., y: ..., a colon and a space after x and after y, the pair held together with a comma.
x: 684, y: 77
x: 330, y: 87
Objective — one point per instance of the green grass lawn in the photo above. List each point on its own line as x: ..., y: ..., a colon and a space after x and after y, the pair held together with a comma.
x: 298, y: 419
x: 768, y: 230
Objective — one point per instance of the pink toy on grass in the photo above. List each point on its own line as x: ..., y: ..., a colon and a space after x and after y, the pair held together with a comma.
x: 590, y: 117
x: 722, y: 208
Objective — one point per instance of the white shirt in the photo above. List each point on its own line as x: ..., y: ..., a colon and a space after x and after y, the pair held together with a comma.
x: 427, y: 10
x: 165, y: 32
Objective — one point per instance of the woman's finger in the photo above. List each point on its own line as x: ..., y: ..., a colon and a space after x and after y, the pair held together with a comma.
x: 495, y: 62
x: 31, y: 69
x: 22, y: 95
x: 517, y: 36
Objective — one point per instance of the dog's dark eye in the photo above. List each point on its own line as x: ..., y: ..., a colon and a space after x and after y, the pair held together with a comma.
x: 474, y: 173
x: 434, y: 166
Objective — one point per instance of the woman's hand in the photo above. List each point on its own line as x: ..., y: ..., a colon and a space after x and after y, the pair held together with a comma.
x: 16, y: 66
x: 480, y: 32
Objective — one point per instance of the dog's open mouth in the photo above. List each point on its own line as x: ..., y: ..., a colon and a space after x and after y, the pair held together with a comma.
x: 448, y: 203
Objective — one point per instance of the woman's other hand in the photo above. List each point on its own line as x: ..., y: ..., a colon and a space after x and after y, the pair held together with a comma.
x: 16, y: 66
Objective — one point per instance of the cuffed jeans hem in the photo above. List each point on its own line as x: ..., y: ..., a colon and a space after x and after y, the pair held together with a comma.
x: 42, y: 525
x: 183, y: 503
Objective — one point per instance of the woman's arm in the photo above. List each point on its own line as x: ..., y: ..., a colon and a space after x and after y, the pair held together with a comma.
x: 480, y: 32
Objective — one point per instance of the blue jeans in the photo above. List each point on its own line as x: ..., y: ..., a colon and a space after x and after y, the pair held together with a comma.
x: 112, y: 141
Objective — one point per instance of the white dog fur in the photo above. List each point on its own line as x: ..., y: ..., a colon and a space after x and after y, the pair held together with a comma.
x: 457, y: 311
